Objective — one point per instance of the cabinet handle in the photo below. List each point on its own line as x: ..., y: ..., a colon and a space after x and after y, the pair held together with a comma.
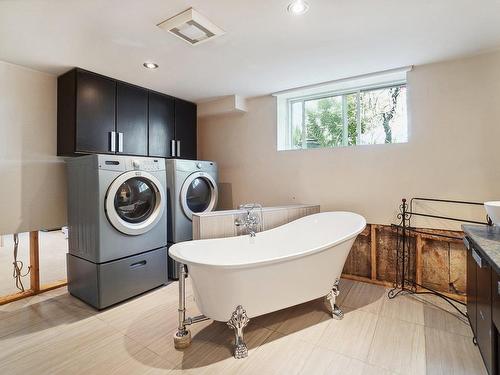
x: 178, y: 149
x: 120, y: 142
x: 138, y: 264
x: 112, y: 141
x: 172, y: 147
x: 477, y: 258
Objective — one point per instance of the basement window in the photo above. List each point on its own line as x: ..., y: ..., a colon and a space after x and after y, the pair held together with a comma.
x: 364, y: 110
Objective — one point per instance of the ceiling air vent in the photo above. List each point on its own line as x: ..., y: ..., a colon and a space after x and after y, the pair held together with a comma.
x: 191, y: 27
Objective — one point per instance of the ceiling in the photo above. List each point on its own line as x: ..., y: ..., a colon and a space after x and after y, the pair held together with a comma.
x: 264, y: 50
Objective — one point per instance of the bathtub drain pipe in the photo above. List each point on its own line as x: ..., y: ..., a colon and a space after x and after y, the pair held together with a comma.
x: 182, y: 338
x: 182, y: 300
x: 195, y: 319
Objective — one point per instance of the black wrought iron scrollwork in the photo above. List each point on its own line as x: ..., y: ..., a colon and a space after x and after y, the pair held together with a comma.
x: 402, y: 260
x: 403, y: 280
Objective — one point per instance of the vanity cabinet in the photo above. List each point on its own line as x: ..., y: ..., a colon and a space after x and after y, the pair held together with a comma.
x: 97, y: 114
x: 479, y: 304
x: 471, y: 289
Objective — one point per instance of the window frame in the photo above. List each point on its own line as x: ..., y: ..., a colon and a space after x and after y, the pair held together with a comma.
x: 290, y: 101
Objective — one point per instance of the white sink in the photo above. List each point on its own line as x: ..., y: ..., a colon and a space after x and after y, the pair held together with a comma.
x: 493, y: 210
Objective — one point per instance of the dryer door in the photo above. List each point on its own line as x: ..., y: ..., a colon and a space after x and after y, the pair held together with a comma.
x: 135, y: 202
x: 198, y: 194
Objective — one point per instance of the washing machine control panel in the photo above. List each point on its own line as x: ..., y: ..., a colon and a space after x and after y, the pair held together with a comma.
x: 147, y: 165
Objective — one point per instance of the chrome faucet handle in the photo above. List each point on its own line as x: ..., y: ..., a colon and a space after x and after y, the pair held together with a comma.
x: 253, y: 219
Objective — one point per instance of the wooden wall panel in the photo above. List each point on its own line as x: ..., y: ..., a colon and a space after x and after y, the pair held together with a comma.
x: 435, y: 259
x: 458, y: 268
x: 386, y: 254
x: 274, y: 219
x: 220, y: 224
x: 359, y: 260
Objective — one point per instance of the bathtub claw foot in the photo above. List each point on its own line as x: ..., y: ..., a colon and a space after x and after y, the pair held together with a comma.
x: 332, y: 298
x: 238, y: 321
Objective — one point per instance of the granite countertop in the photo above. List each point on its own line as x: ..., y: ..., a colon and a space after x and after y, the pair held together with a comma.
x: 487, y: 240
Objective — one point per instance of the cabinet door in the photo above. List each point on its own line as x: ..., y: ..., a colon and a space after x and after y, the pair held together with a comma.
x: 95, y: 112
x: 185, y: 129
x: 161, y: 125
x: 495, y: 293
x: 471, y: 291
x: 484, y: 325
x: 131, y: 120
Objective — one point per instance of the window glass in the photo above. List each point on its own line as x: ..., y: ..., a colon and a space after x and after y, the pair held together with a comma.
x: 383, y: 116
x: 324, y: 122
x: 296, y: 124
x: 357, y: 117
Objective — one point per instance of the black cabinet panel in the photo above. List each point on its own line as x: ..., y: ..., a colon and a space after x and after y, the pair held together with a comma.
x: 471, y: 291
x: 131, y: 119
x: 66, y: 113
x: 484, y: 325
x: 185, y: 129
x: 161, y: 125
x: 495, y: 293
x: 95, y: 112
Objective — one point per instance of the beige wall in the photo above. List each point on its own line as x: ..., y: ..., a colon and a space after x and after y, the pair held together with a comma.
x: 33, y: 186
x: 453, y: 151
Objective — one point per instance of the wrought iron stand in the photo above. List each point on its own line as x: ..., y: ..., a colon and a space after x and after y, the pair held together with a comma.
x: 404, y: 282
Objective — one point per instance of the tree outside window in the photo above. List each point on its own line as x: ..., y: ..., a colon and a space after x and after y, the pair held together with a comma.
x: 374, y: 116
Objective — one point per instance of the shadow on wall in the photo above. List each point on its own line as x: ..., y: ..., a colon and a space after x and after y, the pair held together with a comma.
x: 225, y: 201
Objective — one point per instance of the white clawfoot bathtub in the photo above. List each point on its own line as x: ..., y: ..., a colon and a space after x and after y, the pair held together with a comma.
x: 242, y: 277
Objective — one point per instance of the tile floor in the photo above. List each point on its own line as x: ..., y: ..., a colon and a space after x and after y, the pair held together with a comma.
x: 55, y: 333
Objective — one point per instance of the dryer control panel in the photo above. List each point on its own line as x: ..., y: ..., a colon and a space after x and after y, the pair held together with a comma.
x: 148, y: 165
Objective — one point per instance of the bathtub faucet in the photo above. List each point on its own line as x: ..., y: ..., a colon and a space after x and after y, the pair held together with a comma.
x: 249, y: 221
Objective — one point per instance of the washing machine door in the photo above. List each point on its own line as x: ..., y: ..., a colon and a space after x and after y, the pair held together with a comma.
x: 198, y: 194
x: 135, y: 202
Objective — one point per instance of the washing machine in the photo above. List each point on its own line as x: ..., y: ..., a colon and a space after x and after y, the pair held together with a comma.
x: 191, y: 188
x: 117, y: 218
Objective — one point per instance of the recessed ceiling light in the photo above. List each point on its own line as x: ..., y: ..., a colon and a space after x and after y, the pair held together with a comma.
x: 150, y: 65
x: 298, y: 7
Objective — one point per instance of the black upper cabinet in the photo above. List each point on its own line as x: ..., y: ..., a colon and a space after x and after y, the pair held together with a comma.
x: 97, y: 114
x: 85, y: 113
x: 161, y: 125
x: 131, y: 120
x: 185, y: 129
